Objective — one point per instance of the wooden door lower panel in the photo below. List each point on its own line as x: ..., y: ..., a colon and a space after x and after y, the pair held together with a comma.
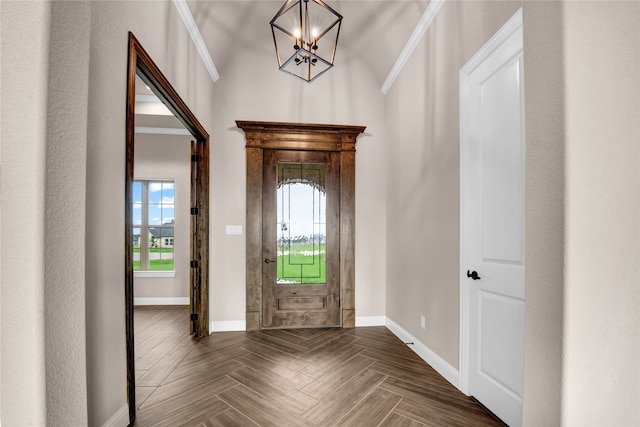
x: 306, y: 306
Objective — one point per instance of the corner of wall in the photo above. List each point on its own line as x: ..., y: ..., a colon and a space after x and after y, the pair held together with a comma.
x: 449, y: 373
x: 545, y: 212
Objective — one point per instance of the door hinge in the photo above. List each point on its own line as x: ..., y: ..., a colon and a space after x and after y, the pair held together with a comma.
x: 194, y: 317
x: 194, y: 211
x: 194, y: 263
x: 196, y: 158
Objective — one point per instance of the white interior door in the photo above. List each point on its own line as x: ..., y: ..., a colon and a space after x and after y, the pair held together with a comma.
x: 492, y: 199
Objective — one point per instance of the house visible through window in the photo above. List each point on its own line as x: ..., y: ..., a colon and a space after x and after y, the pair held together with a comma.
x: 153, y: 223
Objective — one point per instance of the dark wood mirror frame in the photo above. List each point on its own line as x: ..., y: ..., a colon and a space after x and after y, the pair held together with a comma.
x: 140, y: 63
x: 302, y: 137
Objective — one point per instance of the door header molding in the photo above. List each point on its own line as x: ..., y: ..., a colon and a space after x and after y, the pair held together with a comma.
x: 300, y: 136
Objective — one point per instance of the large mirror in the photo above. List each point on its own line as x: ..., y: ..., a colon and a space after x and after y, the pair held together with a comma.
x: 166, y: 203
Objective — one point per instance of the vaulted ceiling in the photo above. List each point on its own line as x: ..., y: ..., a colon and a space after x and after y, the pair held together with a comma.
x: 372, y: 31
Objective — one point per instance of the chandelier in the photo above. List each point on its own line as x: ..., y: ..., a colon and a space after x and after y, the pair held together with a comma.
x: 305, y: 33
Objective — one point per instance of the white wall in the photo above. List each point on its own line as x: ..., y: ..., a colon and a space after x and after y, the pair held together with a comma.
x: 167, y: 157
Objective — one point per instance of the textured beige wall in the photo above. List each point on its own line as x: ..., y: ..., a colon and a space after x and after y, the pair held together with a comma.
x: 545, y: 208
x: 25, y: 37
x: 602, y: 290
x: 582, y: 325
x: 65, y: 332
x: 582, y: 110
x: 161, y: 32
x: 167, y: 157
x: 423, y: 188
x: 46, y: 257
x: 347, y: 94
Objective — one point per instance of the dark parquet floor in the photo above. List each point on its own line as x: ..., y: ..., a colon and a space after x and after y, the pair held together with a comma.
x: 306, y: 377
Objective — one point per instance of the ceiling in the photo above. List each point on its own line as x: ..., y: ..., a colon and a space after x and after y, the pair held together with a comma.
x: 374, y: 31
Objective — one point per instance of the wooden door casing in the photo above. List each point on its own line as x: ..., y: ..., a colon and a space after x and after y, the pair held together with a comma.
x: 339, y: 139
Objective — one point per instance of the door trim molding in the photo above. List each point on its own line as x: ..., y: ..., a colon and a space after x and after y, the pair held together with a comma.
x: 301, y: 137
x: 502, y: 35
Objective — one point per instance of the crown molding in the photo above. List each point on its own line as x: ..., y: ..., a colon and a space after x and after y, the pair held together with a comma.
x: 196, y: 36
x: 423, y: 25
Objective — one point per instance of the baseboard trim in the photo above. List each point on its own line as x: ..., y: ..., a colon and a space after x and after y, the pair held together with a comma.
x: 450, y: 373
x: 370, y: 321
x: 227, y: 325
x: 161, y: 301
x: 120, y: 418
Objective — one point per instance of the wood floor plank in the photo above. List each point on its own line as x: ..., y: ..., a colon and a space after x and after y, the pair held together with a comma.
x: 175, y: 396
x: 259, y: 409
x: 371, y: 410
x: 167, y: 363
x: 329, y: 360
x: 185, y: 377
x: 308, y: 377
x: 335, y: 405
x: 424, y: 376
x: 230, y: 418
x: 428, y: 406
x: 180, y: 415
x: 142, y: 393
x: 265, y: 338
x: 278, y: 390
x: 342, y: 373
x: 296, y: 379
x: 397, y: 420
x: 285, y: 359
x: 327, y: 339
x: 283, y: 335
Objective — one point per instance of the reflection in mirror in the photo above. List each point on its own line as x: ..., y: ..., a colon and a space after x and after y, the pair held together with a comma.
x: 159, y: 164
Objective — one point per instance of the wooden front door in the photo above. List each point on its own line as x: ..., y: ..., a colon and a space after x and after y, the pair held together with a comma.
x: 301, y: 236
x: 279, y: 305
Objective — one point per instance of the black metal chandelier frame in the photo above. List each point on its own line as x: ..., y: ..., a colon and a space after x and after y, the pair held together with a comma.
x: 306, y: 45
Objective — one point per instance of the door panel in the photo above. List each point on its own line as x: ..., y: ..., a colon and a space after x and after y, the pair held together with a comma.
x: 493, y: 167
x: 301, y: 212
